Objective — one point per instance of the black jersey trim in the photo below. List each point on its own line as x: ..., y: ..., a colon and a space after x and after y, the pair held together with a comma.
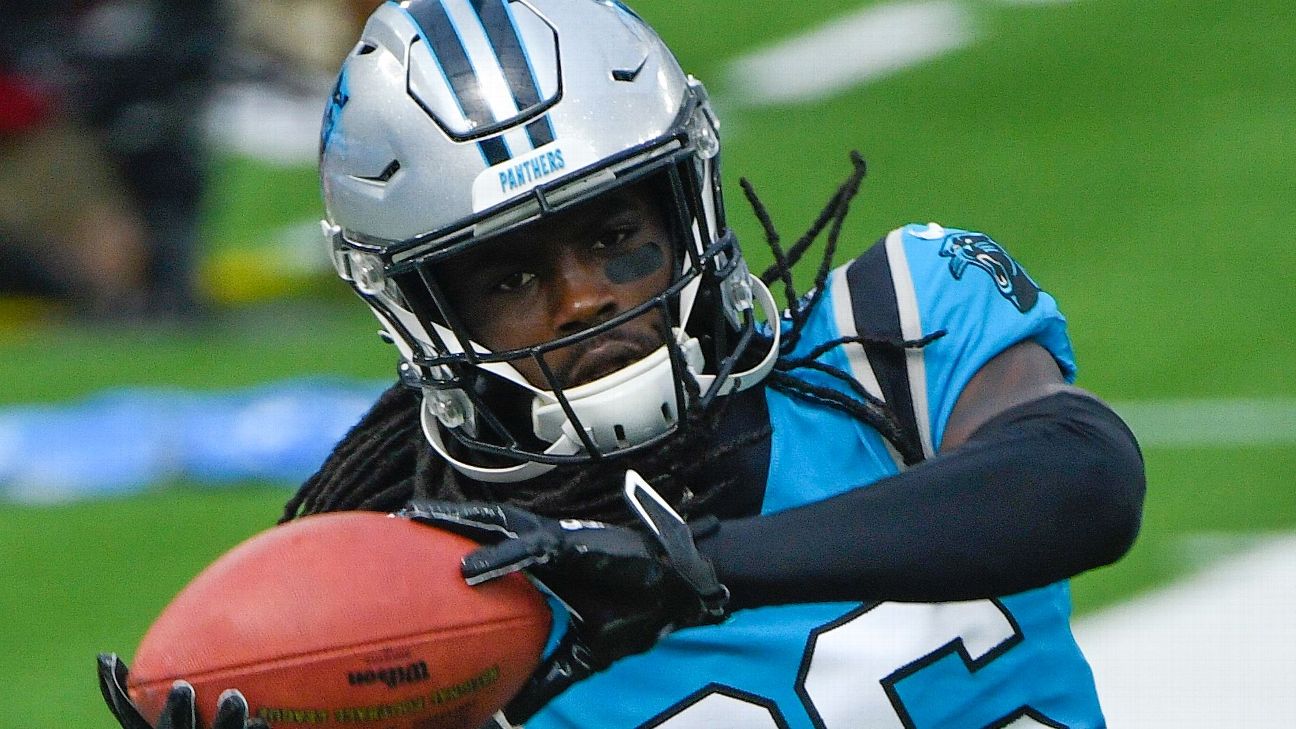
x: 877, y: 316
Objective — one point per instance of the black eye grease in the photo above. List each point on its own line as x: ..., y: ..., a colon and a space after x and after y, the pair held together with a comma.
x: 634, y: 265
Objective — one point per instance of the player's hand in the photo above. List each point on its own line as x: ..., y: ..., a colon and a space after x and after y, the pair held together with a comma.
x: 178, y: 713
x: 624, y: 588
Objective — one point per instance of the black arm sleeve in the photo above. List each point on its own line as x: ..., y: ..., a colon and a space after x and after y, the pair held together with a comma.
x: 1039, y: 493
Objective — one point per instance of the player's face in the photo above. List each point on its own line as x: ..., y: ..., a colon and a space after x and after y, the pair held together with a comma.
x: 565, y: 274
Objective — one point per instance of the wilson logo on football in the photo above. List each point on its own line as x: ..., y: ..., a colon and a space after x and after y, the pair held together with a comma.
x: 392, y: 677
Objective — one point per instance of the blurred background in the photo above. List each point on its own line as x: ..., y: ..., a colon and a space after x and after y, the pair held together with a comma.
x: 175, y: 354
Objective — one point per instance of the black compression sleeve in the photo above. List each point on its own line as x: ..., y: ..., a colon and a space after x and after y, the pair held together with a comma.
x: 1041, y: 492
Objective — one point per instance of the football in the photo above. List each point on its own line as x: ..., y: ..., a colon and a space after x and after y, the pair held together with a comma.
x: 352, y: 619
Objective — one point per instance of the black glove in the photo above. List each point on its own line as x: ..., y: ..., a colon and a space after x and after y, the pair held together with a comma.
x: 179, y: 711
x: 624, y: 588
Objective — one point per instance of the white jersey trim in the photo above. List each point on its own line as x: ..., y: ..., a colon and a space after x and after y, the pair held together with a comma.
x: 843, y: 308
x: 911, y: 328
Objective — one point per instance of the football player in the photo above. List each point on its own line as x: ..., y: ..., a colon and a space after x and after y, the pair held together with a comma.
x: 861, y: 510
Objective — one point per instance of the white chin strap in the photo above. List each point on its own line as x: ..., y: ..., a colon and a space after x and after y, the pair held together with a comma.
x: 624, y: 409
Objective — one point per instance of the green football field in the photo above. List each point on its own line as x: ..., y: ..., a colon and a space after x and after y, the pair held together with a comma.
x: 1135, y: 155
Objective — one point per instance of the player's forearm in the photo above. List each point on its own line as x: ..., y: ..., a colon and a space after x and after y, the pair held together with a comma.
x: 1042, y: 492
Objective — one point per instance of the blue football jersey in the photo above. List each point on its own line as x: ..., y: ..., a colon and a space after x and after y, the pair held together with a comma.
x: 1004, y: 662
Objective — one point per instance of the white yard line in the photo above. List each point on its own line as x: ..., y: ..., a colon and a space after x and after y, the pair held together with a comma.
x: 1216, y: 650
x: 848, y: 51
x: 838, y: 55
x: 1188, y: 423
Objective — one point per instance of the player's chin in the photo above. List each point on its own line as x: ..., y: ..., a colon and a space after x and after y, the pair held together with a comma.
x: 605, y: 358
x: 610, y: 352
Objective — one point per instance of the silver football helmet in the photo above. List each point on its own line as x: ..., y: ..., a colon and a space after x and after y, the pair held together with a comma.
x: 456, y: 122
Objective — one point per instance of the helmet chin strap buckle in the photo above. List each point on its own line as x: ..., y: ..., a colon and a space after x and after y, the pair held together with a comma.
x: 452, y: 408
x: 736, y: 291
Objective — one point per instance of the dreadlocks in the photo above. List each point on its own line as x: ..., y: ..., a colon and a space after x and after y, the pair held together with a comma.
x: 383, y: 461
x: 867, y: 408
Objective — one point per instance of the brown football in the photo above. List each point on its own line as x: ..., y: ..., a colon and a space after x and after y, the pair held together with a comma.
x: 349, y: 619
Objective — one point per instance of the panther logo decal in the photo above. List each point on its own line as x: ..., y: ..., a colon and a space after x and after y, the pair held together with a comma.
x: 978, y: 250
x: 338, y: 99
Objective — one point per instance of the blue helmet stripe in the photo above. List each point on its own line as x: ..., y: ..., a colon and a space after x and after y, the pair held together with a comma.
x: 494, y: 151
x: 508, y: 48
x: 541, y: 131
x: 498, y: 23
x: 448, y: 48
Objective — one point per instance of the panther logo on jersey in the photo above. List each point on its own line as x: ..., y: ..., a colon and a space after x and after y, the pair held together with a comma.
x: 985, y: 254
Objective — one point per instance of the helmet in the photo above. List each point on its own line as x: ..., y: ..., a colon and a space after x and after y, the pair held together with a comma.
x: 456, y: 123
